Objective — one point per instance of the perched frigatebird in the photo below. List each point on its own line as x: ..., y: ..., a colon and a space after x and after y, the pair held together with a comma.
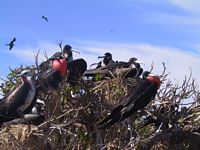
x: 11, y: 44
x: 134, y: 101
x: 128, y: 69
x: 107, y: 58
x: 45, y: 18
x: 17, y: 101
x: 135, y: 71
x: 62, y: 65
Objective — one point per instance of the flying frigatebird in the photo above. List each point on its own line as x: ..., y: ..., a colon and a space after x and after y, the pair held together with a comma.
x: 45, y: 18
x: 134, y: 101
x: 18, y: 100
x: 11, y: 44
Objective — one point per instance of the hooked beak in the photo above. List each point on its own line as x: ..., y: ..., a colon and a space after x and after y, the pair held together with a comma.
x: 140, y: 62
x: 101, y: 57
x: 152, y: 75
x: 75, y: 51
x: 18, y: 75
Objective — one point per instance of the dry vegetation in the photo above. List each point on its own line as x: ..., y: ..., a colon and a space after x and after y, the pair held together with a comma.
x: 71, y: 123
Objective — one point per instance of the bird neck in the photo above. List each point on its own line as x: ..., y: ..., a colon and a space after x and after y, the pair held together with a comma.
x: 70, y: 58
x: 28, y: 81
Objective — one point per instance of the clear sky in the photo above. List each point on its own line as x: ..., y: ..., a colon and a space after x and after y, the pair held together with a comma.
x: 151, y: 30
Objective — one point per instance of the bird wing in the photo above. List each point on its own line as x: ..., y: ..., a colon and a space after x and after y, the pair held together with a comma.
x: 134, y: 94
x: 14, y: 100
x: 45, y: 18
x: 132, y: 103
x: 92, y: 72
x: 29, y: 108
x: 14, y: 39
x: 111, y: 119
x: 57, y: 55
x: 76, y: 68
x: 140, y: 101
x: 11, y: 46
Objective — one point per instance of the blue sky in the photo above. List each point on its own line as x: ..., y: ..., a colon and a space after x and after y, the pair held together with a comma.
x: 153, y: 31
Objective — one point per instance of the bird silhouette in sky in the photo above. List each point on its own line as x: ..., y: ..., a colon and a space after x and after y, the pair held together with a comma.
x: 45, y: 18
x: 111, y: 30
x: 11, y: 44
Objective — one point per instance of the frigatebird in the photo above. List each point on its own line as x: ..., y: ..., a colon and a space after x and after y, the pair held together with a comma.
x: 107, y: 58
x: 11, y: 44
x: 18, y: 100
x: 128, y: 69
x: 133, y: 101
x: 135, y: 70
x: 63, y: 66
x: 45, y: 18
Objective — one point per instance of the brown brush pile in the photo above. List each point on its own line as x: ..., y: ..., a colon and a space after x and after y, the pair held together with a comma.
x: 71, y: 123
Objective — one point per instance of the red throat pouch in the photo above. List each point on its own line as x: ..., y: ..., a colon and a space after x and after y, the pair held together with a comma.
x: 154, y: 79
x: 61, y: 66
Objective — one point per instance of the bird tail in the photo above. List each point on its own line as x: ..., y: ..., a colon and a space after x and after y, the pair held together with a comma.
x: 106, y: 123
x: 110, y: 120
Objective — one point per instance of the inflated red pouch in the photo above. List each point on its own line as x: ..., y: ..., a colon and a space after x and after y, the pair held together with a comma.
x: 61, y: 66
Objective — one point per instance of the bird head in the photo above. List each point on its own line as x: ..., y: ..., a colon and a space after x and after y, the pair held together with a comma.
x: 152, y: 78
x: 25, y: 75
x: 135, y: 61
x: 106, y: 58
x: 107, y: 54
x: 132, y: 60
x: 67, y: 51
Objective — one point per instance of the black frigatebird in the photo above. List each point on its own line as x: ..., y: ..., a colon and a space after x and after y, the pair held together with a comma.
x: 17, y: 101
x: 131, y: 68
x: 107, y: 58
x: 63, y: 66
x: 136, y: 69
x: 11, y: 44
x: 134, y: 101
x: 45, y: 18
